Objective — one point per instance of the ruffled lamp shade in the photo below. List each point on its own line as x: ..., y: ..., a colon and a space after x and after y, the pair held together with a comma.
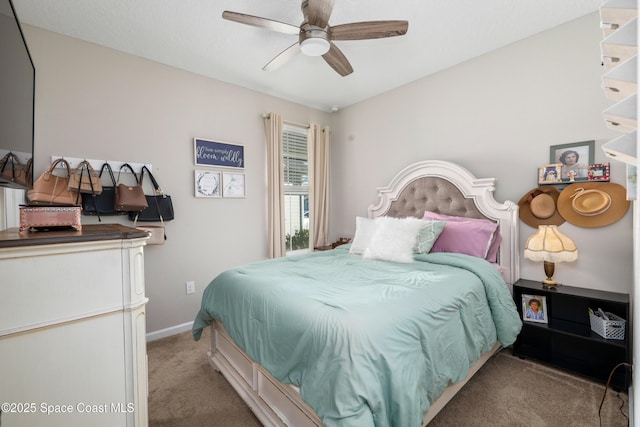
x: 549, y: 245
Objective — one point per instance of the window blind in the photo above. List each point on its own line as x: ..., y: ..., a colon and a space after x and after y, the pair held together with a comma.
x: 295, y: 160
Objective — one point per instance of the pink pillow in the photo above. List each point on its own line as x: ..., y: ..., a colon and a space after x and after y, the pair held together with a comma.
x: 471, y: 236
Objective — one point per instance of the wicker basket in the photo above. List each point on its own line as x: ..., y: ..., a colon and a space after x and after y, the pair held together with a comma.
x: 610, y: 329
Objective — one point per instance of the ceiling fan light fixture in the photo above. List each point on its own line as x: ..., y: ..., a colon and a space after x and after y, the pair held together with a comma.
x: 316, y: 36
x: 314, y: 46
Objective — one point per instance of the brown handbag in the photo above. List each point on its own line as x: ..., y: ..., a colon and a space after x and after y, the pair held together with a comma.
x: 130, y: 198
x: 85, y: 179
x: 51, y: 189
x: 12, y: 170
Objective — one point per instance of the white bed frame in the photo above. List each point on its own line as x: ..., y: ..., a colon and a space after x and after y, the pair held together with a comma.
x: 277, y: 404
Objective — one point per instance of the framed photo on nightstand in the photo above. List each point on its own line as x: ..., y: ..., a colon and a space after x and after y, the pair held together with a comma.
x: 534, y: 308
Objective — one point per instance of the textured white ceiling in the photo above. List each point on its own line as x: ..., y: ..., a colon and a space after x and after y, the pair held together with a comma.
x: 191, y: 35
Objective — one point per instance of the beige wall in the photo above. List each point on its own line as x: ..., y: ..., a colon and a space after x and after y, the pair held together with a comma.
x: 496, y: 115
x: 102, y: 104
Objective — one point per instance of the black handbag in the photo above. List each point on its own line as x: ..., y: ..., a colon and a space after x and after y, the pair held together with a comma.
x: 103, y: 203
x: 160, y: 206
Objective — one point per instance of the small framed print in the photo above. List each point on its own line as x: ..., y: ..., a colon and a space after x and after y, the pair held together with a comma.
x: 599, y: 172
x: 207, y: 184
x: 233, y: 185
x: 550, y: 174
x: 534, y: 308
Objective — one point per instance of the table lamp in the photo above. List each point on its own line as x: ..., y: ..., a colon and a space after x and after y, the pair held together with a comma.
x: 548, y: 244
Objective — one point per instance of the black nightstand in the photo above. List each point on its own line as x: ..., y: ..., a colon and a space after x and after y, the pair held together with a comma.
x: 566, y: 341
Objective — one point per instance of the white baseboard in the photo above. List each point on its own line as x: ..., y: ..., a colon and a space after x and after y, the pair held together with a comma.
x: 167, y: 332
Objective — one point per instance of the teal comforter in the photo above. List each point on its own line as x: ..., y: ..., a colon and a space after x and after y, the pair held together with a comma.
x: 368, y: 342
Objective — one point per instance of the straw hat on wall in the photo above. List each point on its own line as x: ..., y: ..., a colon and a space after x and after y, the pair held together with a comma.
x: 593, y: 204
x: 538, y: 207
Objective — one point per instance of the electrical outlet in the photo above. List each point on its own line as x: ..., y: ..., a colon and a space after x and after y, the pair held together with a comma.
x: 190, y: 287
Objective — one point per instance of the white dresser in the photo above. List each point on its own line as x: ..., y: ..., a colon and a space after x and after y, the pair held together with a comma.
x: 72, y: 327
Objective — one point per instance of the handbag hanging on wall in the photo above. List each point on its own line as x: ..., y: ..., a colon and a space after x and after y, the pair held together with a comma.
x: 129, y: 198
x: 157, y: 233
x: 51, y: 189
x: 103, y: 203
x: 85, y: 180
x: 160, y: 206
x: 12, y: 170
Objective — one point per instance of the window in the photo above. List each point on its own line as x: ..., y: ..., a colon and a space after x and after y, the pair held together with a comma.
x: 296, y: 187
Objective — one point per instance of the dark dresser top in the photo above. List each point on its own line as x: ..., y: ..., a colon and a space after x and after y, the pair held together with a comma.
x: 12, y: 237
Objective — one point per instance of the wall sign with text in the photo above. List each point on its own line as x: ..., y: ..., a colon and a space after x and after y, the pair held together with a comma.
x: 213, y: 153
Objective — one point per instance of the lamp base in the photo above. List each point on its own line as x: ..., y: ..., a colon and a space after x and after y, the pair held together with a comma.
x: 550, y: 286
x: 549, y: 283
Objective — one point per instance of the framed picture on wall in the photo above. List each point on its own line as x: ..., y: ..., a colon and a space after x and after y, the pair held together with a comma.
x: 575, y: 158
x: 233, y: 185
x: 207, y: 184
x: 550, y: 173
x: 219, y: 154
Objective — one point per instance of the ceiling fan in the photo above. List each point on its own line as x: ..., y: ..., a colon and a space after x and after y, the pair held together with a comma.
x: 315, y: 36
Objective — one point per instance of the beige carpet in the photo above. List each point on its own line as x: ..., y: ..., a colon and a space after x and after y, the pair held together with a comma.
x: 185, y: 391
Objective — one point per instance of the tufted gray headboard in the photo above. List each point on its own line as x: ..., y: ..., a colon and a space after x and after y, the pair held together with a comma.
x: 448, y: 188
x: 434, y: 194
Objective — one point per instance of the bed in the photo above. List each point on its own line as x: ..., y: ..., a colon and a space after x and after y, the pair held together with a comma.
x: 391, y: 341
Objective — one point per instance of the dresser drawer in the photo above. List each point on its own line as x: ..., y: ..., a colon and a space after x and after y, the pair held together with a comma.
x: 52, y: 285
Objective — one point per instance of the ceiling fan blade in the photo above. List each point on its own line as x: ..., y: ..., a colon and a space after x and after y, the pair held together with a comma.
x: 336, y: 59
x: 257, y: 21
x: 318, y: 11
x: 368, y: 30
x: 283, y: 57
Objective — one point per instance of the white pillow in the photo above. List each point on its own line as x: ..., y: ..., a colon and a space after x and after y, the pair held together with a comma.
x: 394, y: 239
x: 364, y: 231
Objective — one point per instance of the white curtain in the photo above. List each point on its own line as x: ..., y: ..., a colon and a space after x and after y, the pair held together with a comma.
x: 318, y: 143
x: 275, y: 186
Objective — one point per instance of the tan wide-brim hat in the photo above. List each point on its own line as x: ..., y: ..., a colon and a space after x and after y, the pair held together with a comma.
x: 538, y: 207
x: 593, y: 204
